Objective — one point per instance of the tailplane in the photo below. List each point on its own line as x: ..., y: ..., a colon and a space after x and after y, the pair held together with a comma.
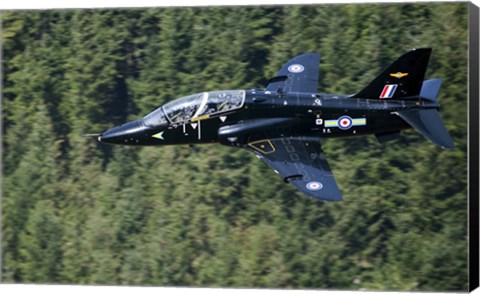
x: 428, y: 123
x: 403, y: 79
x: 430, y: 89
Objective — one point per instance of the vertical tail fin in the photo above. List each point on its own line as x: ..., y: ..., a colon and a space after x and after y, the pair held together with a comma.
x: 403, y: 79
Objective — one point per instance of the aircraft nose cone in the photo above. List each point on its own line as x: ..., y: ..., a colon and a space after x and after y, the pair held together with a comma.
x: 129, y: 133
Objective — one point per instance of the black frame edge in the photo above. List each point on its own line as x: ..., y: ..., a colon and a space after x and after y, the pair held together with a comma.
x: 473, y: 129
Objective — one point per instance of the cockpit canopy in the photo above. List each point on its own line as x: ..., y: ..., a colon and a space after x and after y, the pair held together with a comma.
x: 196, y: 105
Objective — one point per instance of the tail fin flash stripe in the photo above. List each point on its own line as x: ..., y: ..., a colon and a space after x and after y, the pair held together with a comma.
x: 388, y: 91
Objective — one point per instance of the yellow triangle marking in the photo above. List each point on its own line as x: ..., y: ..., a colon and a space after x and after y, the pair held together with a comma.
x: 159, y: 135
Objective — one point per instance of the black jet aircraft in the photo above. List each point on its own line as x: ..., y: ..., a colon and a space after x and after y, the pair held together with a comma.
x: 283, y: 123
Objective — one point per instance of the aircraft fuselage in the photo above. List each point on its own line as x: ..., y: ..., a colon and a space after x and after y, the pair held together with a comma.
x: 275, y: 115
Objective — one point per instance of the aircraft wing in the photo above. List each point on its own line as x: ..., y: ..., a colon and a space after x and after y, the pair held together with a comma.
x: 300, y: 161
x: 300, y: 74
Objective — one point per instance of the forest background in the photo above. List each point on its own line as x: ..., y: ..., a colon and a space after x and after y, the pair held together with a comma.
x: 78, y: 212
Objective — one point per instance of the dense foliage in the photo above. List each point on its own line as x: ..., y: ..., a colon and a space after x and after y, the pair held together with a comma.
x: 76, y: 211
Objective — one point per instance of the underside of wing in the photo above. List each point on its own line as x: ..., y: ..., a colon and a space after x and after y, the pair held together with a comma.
x: 300, y: 74
x: 300, y: 161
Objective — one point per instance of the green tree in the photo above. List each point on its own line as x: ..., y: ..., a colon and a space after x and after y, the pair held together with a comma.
x: 40, y: 247
x: 33, y: 180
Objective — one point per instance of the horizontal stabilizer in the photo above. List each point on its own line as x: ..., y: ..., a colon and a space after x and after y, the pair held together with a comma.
x: 429, y: 124
x: 430, y: 89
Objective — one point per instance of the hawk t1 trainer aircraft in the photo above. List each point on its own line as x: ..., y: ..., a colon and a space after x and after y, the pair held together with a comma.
x: 283, y: 123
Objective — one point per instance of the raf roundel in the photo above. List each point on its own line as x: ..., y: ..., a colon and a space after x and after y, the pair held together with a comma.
x: 314, y: 186
x: 345, y: 122
x: 296, y: 68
